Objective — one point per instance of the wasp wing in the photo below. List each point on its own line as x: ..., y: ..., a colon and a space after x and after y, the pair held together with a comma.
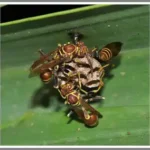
x: 89, y: 108
x: 49, y: 65
x: 114, y: 47
x: 43, y: 58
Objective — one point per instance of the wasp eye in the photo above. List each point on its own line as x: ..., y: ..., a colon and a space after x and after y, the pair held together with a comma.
x: 46, y: 76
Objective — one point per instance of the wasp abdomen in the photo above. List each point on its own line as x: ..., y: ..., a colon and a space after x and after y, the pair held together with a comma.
x: 92, y: 121
x: 105, y: 54
x: 110, y: 50
x: 46, y: 76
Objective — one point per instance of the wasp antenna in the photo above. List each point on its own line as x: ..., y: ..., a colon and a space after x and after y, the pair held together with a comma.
x: 41, y: 52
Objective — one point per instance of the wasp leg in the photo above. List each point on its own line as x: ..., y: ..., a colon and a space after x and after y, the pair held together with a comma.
x: 94, y: 49
x: 101, y: 83
x: 97, y: 98
x: 70, y: 113
x: 80, y: 84
x: 92, y: 52
x: 101, y: 69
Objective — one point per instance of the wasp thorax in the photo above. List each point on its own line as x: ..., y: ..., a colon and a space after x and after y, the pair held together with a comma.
x: 69, y: 48
x: 92, y: 121
x: 46, y: 75
x: 72, y: 99
x: 66, y: 88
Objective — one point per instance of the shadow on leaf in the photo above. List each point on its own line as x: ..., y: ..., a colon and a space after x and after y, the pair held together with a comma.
x: 46, y: 96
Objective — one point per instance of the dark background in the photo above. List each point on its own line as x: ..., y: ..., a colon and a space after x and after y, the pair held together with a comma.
x: 15, y: 12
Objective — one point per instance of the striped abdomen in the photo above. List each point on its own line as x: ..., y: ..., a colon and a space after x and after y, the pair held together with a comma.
x: 105, y: 54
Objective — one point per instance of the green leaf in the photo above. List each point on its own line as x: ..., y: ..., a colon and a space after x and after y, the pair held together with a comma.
x: 126, y: 107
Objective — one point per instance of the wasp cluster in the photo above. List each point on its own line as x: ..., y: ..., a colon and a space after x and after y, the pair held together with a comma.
x: 78, y: 73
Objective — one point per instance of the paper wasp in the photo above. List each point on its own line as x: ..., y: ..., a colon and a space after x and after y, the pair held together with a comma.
x: 78, y: 74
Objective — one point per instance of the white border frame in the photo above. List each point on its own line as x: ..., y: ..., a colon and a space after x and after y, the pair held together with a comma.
x: 75, y: 3
x: 80, y: 3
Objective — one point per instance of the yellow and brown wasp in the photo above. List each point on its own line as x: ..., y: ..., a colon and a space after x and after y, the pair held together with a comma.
x: 63, y: 53
x: 78, y: 74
